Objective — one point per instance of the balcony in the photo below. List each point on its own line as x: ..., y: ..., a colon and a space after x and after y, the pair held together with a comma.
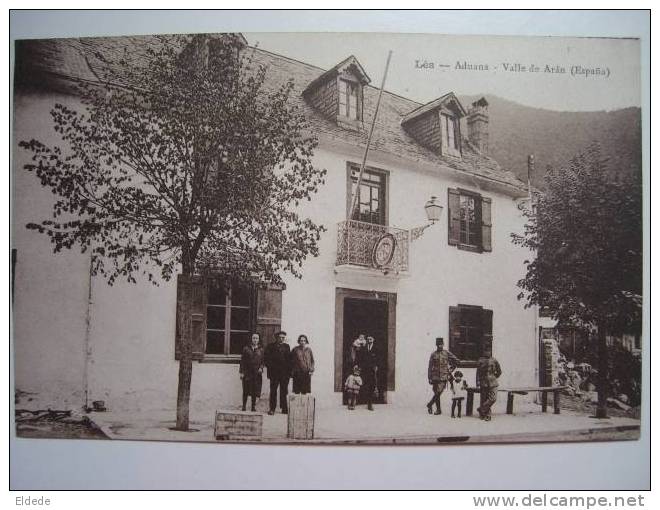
x: 356, y: 244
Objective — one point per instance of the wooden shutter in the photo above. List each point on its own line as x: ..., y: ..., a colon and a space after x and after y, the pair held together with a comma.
x: 269, y: 312
x: 193, y: 290
x: 454, y: 344
x: 454, y: 216
x: 486, y: 329
x: 486, y: 224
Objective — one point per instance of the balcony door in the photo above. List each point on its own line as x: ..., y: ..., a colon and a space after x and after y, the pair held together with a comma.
x: 372, y: 201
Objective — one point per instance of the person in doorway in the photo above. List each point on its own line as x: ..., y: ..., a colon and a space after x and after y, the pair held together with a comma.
x: 302, y: 366
x: 367, y: 359
x: 277, y: 358
x: 441, y: 364
x: 459, y: 392
x: 488, y: 372
x: 352, y: 386
x: 250, y: 370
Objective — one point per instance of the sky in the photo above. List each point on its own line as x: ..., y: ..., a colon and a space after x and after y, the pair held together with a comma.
x: 501, y: 65
x: 324, y: 38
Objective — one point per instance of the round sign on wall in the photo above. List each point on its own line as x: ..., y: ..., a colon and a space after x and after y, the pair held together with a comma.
x: 383, y: 250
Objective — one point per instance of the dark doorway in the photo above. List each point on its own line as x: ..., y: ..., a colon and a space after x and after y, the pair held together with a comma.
x: 367, y: 316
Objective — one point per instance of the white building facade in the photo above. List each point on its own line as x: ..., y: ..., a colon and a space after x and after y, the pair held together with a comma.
x: 77, y: 340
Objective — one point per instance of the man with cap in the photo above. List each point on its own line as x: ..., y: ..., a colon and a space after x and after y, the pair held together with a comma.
x: 277, y: 358
x: 441, y: 364
x: 488, y: 372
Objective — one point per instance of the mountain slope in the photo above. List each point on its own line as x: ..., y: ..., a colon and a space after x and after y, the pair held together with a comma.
x: 555, y: 137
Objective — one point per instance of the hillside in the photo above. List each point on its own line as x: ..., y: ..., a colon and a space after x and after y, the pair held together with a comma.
x: 555, y: 137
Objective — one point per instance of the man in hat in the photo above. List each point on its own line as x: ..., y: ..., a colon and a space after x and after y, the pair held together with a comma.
x: 367, y: 360
x: 441, y: 364
x: 488, y: 372
x: 277, y: 358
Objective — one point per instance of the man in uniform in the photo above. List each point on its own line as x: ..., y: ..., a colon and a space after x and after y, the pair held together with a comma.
x: 488, y: 370
x: 441, y: 364
x: 277, y: 359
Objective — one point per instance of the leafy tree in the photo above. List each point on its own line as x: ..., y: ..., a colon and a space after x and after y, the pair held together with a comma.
x: 586, y: 232
x: 191, y: 160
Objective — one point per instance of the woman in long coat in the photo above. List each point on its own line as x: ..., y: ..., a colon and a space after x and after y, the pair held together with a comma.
x: 251, y: 368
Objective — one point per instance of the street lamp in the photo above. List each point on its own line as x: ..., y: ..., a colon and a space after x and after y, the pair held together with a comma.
x: 433, y: 210
x: 433, y: 213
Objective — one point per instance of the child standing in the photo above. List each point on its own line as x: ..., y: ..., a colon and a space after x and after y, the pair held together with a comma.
x: 352, y: 386
x: 459, y: 391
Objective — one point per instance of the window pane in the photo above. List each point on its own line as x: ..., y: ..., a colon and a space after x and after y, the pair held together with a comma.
x: 240, y: 295
x: 215, y: 342
x: 238, y: 340
x: 217, y: 293
x: 215, y: 317
x: 240, y: 319
x: 352, y: 103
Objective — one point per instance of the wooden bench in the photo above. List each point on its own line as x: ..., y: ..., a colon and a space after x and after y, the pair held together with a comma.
x: 511, y: 392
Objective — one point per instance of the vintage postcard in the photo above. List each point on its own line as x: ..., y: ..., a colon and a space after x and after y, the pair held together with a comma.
x: 327, y: 238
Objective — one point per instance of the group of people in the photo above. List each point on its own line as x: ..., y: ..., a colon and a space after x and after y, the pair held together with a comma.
x: 442, y: 373
x: 364, y: 378
x: 281, y: 364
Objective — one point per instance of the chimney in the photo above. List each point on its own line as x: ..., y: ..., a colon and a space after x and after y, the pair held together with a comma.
x: 477, y: 123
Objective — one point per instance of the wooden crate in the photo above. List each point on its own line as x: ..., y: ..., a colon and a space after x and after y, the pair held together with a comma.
x: 238, y: 425
x: 300, y: 423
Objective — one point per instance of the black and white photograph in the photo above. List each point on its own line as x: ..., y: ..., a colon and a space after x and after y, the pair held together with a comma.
x: 327, y: 238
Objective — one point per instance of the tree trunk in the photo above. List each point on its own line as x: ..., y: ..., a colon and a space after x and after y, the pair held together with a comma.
x: 184, y: 305
x: 601, y: 411
x: 183, y: 394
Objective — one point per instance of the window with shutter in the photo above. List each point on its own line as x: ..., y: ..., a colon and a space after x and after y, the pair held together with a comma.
x: 470, y: 220
x: 470, y: 329
x: 450, y: 135
x: 223, y: 314
x: 349, y: 99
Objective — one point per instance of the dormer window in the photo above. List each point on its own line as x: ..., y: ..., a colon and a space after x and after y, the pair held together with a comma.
x: 437, y: 125
x: 348, y: 99
x: 339, y: 93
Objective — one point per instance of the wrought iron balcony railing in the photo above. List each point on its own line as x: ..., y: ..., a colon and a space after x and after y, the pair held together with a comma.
x: 371, y: 246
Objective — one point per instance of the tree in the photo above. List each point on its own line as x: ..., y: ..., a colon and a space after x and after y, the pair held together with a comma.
x: 586, y: 232
x: 187, y: 159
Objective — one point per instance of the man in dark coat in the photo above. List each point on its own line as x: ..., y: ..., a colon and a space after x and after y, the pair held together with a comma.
x: 367, y: 360
x: 488, y: 371
x: 441, y: 364
x: 278, y: 362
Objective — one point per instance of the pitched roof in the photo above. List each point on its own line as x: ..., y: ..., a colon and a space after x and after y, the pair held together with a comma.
x: 78, y: 58
x: 448, y: 99
x: 350, y: 62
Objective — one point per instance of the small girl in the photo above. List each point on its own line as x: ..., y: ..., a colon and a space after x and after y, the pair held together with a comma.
x: 352, y: 386
x: 459, y: 391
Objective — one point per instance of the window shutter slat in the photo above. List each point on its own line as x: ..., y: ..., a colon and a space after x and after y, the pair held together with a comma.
x: 198, y: 310
x: 181, y: 284
x: 454, y: 329
x: 486, y: 328
x: 193, y: 289
x: 486, y: 225
x: 454, y: 216
x: 269, y: 312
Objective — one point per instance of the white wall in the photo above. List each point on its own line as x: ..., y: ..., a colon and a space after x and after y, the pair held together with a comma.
x: 132, y: 331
